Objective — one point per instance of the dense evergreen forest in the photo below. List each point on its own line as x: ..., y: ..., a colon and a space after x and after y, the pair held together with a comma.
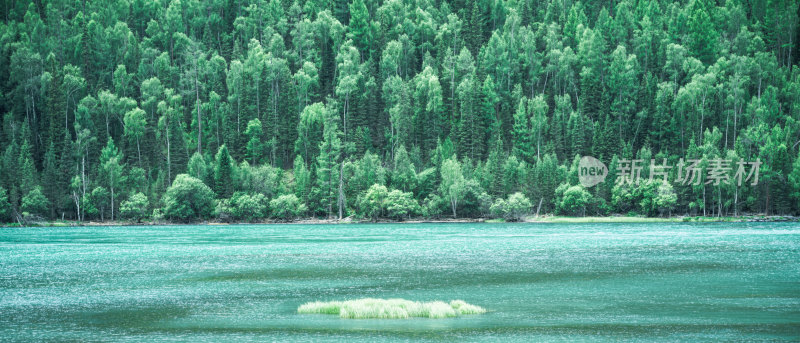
x: 190, y: 110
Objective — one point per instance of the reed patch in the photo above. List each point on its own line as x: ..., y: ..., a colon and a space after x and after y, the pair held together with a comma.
x: 390, y: 308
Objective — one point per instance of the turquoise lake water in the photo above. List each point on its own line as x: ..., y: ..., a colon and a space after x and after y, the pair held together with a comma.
x: 541, y: 282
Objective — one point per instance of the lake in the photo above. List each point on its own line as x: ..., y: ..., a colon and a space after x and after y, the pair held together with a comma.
x: 540, y: 282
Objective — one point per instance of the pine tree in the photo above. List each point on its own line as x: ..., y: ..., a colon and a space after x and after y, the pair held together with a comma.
x: 328, y: 164
x: 223, y: 173
x: 522, y: 130
x: 703, y: 36
x: 110, y: 162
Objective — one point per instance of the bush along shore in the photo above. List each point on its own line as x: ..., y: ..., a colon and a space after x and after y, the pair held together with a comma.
x: 189, y: 200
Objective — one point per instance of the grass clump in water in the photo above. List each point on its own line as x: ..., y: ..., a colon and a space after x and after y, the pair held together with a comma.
x: 390, y: 308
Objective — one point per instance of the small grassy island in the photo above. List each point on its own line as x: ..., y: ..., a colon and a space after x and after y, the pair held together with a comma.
x: 390, y: 308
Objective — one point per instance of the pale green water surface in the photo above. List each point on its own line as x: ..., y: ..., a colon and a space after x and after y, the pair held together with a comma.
x: 541, y: 282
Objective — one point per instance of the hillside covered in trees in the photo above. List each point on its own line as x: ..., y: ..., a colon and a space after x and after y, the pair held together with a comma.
x: 192, y: 110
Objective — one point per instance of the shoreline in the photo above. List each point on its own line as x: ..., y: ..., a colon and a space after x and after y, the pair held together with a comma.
x: 350, y: 220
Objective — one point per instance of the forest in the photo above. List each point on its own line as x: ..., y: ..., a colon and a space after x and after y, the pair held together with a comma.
x: 252, y: 110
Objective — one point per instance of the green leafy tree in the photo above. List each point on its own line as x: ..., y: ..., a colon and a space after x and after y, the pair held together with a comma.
x: 373, y: 203
x: 34, y: 202
x: 328, y: 165
x: 110, y: 159
x: 198, y: 168
x: 403, y: 175
x: 367, y: 172
x: 254, y: 143
x: 453, y: 185
x: 574, y: 199
x: 188, y: 199
x: 518, y: 205
x: 98, y: 202
x: 135, y: 208
x: 514, y: 208
x: 135, y: 125
x: 359, y: 27
x: 794, y: 180
x: 522, y: 130
x: 666, y: 199
x: 310, y: 130
x: 401, y: 205
x: 249, y: 207
x: 287, y: 207
x: 302, y: 180
x: 5, y: 207
x: 703, y: 36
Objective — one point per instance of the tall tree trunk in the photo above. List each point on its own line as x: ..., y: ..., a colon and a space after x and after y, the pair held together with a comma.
x: 169, y: 159
x: 199, y: 116
x: 341, y: 190
x: 112, y: 201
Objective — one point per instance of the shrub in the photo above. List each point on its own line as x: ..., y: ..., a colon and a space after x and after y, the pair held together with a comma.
x: 401, y: 204
x: 248, y: 207
x: 475, y: 202
x: 498, y: 208
x: 514, y: 208
x: 434, y: 206
x: 574, y: 199
x: 35, y: 202
x: 135, y: 207
x: 666, y: 198
x: 287, y: 207
x: 649, y: 197
x: 373, y: 202
x: 188, y: 198
x: 223, y: 210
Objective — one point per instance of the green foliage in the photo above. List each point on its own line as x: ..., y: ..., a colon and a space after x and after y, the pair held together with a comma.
x: 666, y: 199
x: 98, y: 202
x: 403, y: 174
x: 223, y: 173
x: 135, y: 208
x: 287, y: 207
x: 5, y: 207
x: 328, y: 170
x: 514, y: 208
x: 254, y: 145
x: 187, y: 199
x: 453, y: 185
x: 574, y: 200
x: 198, y: 168
x: 400, y: 205
x: 373, y: 203
x: 453, y: 103
x: 248, y: 207
x: 110, y: 159
x: 794, y: 180
x: 367, y: 172
x: 263, y: 179
x: 135, y: 126
x: 34, y: 202
x: 649, y: 197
